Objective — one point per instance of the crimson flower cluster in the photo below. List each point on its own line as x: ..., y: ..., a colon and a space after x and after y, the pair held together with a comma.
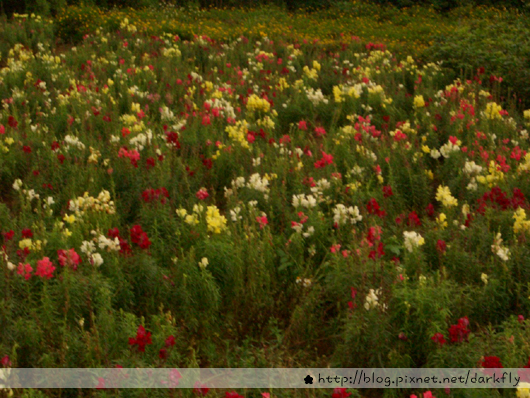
x: 497, y: 198
x: 142, y: 339
x: 153, y: 195
x: 374, y: 208
x: 340, y: 393
x: 139, y: 237
x: 457, y: 333
x: 326, y: 159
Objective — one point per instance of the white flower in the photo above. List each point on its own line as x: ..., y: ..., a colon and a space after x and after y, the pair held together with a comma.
x: 413, y: 240
x: 17, y: 184
x: 234, y: 214
x: 435, y: 154
x: 472, y: 168
x: 203, y: 263
x: 372, y: 301
x: 310, y: 231
x: 88, y: 247
x: 97, y: 260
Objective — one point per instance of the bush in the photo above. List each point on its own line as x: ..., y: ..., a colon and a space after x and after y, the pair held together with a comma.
x: 501, y: 49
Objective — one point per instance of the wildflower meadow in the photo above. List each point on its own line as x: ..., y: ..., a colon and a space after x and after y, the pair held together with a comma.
x: 186, y: 194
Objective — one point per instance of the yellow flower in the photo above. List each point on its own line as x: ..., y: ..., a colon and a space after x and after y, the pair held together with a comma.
x: 426, y: 149
x: 521, y: 224
x: 430, y: 174
x: 527, y: 114
x: 69, y: 219
x: 441, y: 220
x: 443, y: 194
x: 25, y: 243
x: 492, y: 110
x: 337, y: 93
x: 419, y: 102
x: 216, y: 222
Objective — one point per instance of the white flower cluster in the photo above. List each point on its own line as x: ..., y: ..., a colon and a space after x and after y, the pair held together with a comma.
x: 449, y: 148
x: 299, y: 227
x: 141, y: 140
x: 108, y: 244
x: 304, y: 281
x: 471, y: 168
x: 342, y: 214
x: 316, y: 97
x: 89, y: 249
x: 99, y: 204
x: 499, y: 250
x: 413, y: 240
x: 73, y: 142
x: 372, y: 300
x: 308, y: 201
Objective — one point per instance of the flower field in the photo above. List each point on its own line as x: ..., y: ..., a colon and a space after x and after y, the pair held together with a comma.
x: 257, y: 202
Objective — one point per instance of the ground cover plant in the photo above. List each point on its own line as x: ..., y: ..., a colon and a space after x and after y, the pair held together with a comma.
x: 255, y: 202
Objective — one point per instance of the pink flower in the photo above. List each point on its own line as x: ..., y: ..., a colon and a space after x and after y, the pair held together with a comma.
x: 334, y: 248
x: 202, y: 194
x: 70, y: 258
x: 262, y: 221
x: 319, y: 131
x: 438, y: 338
x: 45, y: 268
x: 101, y: 382
x: 5, y: 361
x: 200, y: 389
x: 25, y: 270
x: 428, y: 394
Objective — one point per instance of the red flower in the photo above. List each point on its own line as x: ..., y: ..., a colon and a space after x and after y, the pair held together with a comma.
x: 491, y: 362
x: 142, y: 338
x: 438, y: 338
x: 45, y: 268
x: 8, y: 235
x: 441, y: 246
x: 414, y: 220
x: 162, y: 354
x: 12, y: 122
x: 200, y: 389
x: 139, y: 237
x: 69, y: 257
x: 459, y: 332
x: 233, y: 394
x: 387, y: 191
x: 5, y: 361
x: 262, y: 221
x: 340, y: 393
x: 326, y: 159
x: 170, y: 341
x: 430, y: 210
x: 202, y: 194
x: 26, y: 233
x: 302, y: 125
x: 24, y: 269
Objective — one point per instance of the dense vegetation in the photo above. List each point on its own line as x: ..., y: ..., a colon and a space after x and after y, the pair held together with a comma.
x: 257, y: 196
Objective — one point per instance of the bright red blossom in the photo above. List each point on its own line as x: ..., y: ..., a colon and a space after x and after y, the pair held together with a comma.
x: 45, y: 268
x: 142, y: 338
x: 70, y: 258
